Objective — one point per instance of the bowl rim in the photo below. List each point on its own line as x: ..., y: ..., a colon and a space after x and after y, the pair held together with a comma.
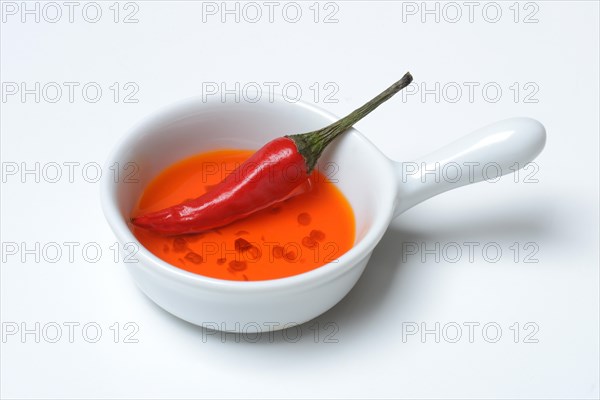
x: 153, y: 264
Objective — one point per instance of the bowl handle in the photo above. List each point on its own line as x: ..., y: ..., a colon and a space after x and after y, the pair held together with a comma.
x: 485, y: 154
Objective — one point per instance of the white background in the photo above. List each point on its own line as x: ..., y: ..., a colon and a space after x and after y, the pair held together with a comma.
x: 172, y: 52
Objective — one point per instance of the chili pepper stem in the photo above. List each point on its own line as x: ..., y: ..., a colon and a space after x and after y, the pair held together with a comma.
x: 312, y: 144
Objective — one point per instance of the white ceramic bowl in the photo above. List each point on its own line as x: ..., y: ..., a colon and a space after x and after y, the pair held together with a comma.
x: 377, y: 188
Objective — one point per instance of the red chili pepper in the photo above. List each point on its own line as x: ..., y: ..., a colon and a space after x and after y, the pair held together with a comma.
x: 277, y: 171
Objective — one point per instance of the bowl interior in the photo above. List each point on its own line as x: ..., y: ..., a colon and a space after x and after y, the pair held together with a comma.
x: 357, y: 167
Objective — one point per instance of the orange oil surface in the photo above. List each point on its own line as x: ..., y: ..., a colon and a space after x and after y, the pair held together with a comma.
x: 289, y: 238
